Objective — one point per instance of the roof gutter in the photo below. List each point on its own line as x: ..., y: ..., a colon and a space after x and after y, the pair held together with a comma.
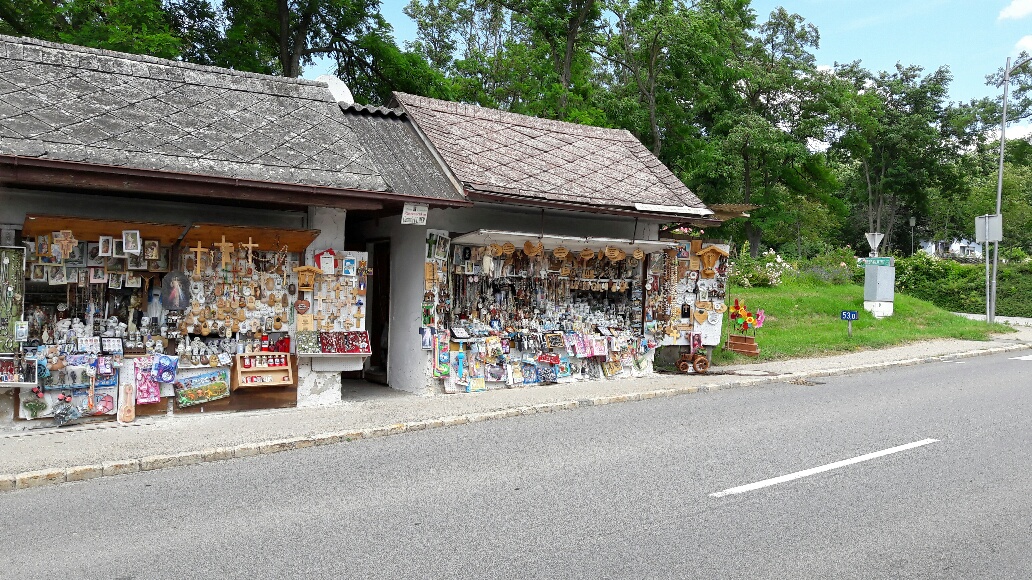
x: 34, y: 171
x: 479, y: 194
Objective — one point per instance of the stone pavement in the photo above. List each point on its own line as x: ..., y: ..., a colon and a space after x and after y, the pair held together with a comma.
x: 49, y: 456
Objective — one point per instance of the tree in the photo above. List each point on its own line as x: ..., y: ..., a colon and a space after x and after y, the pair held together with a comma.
x: 133, y: 26
x: 896, y: 128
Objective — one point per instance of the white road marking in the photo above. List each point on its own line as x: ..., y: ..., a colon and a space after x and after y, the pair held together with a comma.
x: 821, y: 469
x: 1026, y: 357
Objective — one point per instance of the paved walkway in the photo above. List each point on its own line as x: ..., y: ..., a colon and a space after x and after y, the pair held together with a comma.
x: 47, y: 456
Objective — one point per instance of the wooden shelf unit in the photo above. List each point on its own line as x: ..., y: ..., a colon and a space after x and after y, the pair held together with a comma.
x: 279, y: 376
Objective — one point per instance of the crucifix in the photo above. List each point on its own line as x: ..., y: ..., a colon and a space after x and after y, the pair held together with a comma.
x: 66, y: 243
x: 319, y: 298
x: 227, y: 251
x: 319, y: 318
x: 358, y: 317
x: 197, y: 259
x: 250, y: 246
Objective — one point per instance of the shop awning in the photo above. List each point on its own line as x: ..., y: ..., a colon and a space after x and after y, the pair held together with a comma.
x: 91, y: 229
x: 573, y: 243
x: 268, y: 239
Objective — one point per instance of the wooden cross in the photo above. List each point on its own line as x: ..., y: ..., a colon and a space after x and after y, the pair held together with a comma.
x: 66, y: 243
x: 227, y: 251
x: 320, y: 299
x: 358, y: 316
x: 197, y: 260
x: 250, y: 246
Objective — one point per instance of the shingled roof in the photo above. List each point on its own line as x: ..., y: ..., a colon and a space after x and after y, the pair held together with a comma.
x: 545, y: 160
x: 400, y: 155
x: 69, y: 103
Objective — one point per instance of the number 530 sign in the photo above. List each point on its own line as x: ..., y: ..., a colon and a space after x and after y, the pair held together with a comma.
x: 850, y: 315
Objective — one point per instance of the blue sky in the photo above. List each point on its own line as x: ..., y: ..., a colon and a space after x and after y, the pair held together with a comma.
x: 972, y: 37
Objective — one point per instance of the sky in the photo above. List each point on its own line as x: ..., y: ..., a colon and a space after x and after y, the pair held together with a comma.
x: 972, y: 37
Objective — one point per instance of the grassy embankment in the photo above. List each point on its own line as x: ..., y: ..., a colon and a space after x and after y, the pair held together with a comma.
x: 804, y: 321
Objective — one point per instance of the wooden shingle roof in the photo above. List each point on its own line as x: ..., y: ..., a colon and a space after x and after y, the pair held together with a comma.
x: 545, y: 160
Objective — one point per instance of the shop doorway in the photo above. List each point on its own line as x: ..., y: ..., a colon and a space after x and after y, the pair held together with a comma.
x: 379, y: 310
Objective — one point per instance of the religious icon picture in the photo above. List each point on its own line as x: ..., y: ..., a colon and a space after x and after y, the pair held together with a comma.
x: 443, y: 244
x: 114, y: 281
x: 38, y: 273
x: 160, y: 264
x: 175, y: 291
x: 43, y: 245
x: 106, y: 246
x: 93, y: 257
x: 137, y: 262
x: 350, y: 267
x: 133, y: 280
x: 98, y: 275
x: 151, y: 249
x: 115, y: 265
x: 131, y: 241
x: 56, y: 275
x: 118, y: 248
x: 76, y: 255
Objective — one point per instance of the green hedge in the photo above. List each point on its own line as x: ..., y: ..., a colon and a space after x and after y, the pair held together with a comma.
x: 961, y: 287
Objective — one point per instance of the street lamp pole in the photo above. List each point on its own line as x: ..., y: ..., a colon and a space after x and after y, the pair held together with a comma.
x: 1007, y: 70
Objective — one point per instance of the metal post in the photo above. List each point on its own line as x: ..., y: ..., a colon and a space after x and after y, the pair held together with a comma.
x: 985, y: 254
x: 991, y: 311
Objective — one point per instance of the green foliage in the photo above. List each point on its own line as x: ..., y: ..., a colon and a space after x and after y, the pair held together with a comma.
x: 961, y: 287
x: 766, y: 270
x: 832, y: 266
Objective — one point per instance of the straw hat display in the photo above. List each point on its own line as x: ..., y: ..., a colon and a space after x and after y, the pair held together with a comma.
x: 508, y: 248
x: 638, y: 254
x: 587, y: 254
x: 495, y: 249
x: 561, y: 253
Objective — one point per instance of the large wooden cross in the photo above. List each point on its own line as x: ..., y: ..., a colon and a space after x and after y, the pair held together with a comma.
x: 197, y: 259
x: 227, y: 251
x: 250, y: 246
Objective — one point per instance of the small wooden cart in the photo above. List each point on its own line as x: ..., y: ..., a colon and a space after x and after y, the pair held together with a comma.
x: 693, y: 361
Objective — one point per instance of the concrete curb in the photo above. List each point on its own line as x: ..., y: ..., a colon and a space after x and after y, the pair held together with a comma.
x: 47, y: 477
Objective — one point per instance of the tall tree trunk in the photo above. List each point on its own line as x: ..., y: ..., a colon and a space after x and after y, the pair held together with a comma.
x: 577, y: 19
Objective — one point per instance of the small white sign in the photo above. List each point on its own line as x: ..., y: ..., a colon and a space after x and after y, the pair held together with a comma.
x: 415, y: 214
x: 989, y: 228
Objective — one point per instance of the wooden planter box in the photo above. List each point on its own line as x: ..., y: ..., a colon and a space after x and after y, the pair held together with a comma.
x: 742, y: 344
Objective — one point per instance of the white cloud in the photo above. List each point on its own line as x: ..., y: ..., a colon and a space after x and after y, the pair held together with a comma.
x: 1016, y: 10
x: 1025, y: 44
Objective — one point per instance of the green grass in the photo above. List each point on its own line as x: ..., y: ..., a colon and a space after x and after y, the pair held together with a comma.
x: 804, y: 321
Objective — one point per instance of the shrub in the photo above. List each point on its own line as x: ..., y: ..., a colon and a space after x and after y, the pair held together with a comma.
x: 833, y: 266
x: 766, y: 270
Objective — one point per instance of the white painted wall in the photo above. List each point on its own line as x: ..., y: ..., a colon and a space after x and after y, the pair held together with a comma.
x: 408, y: 366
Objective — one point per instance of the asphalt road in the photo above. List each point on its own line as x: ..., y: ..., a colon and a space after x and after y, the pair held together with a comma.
x: 620, y: 491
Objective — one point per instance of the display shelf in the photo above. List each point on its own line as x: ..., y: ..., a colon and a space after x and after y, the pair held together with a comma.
x: 255, y: 375
x: 333, y: 354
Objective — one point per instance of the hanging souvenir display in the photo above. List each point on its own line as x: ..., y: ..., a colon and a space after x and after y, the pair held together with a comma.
x: 12, y: 294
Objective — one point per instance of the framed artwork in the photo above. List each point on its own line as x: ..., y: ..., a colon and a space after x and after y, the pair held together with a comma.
x: 133, y: 280
x: 38, y: 273
x: 105, y: 246
x: 350, y: 267
x: 131, y: 242
x: 56, y: 275
x: 175, y: 291
x: 43, y: 246
x: 115, y: 266
x: 77, y: 256
x: 426, y: 335
x: 151, y: 248
x: 98, y: 275
x: 328, y: 263
x: 114, y: 281
x: 118, y: 249
x: 77, y: 276
x: 93, y: 257
x: 161, y: 264
x: 136, y: 262
x: 443, y: 244
x: 555, y: 340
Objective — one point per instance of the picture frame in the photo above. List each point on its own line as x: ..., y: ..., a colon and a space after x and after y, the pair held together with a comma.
x: 133, y: 280
x: 105, y: 246
x: 555, y: 340
x: 38, y: 273
x: 118, y: 249
x: 151, y: 249
x: 350, y: 267
x: 328, y: 263
x: 136, y: 262
x: 77, y: 257
x: 43, y: 246
x: 56, y: 275
x: 93, y: 257
x: 161, y: 264
x: 114, y: 281
x: 77, y: 276
x: 426, y: 336
x: 443, y: 245
x: 97, y: 275
x: 131, y: 242
x: 115, y: 265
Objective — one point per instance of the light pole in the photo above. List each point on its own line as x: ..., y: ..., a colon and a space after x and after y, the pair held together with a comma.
x: 913, y: 222
x: 1007, y: 70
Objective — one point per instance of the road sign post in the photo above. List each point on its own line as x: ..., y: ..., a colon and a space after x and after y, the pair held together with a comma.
x: 849, y: 316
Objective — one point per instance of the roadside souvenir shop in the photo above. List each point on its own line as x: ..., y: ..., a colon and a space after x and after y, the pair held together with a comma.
x: 509, y: 309
x: 120, y: 319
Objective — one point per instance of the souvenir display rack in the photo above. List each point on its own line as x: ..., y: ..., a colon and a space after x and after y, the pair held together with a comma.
x: 101, y: 294
x: 507, y: 308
